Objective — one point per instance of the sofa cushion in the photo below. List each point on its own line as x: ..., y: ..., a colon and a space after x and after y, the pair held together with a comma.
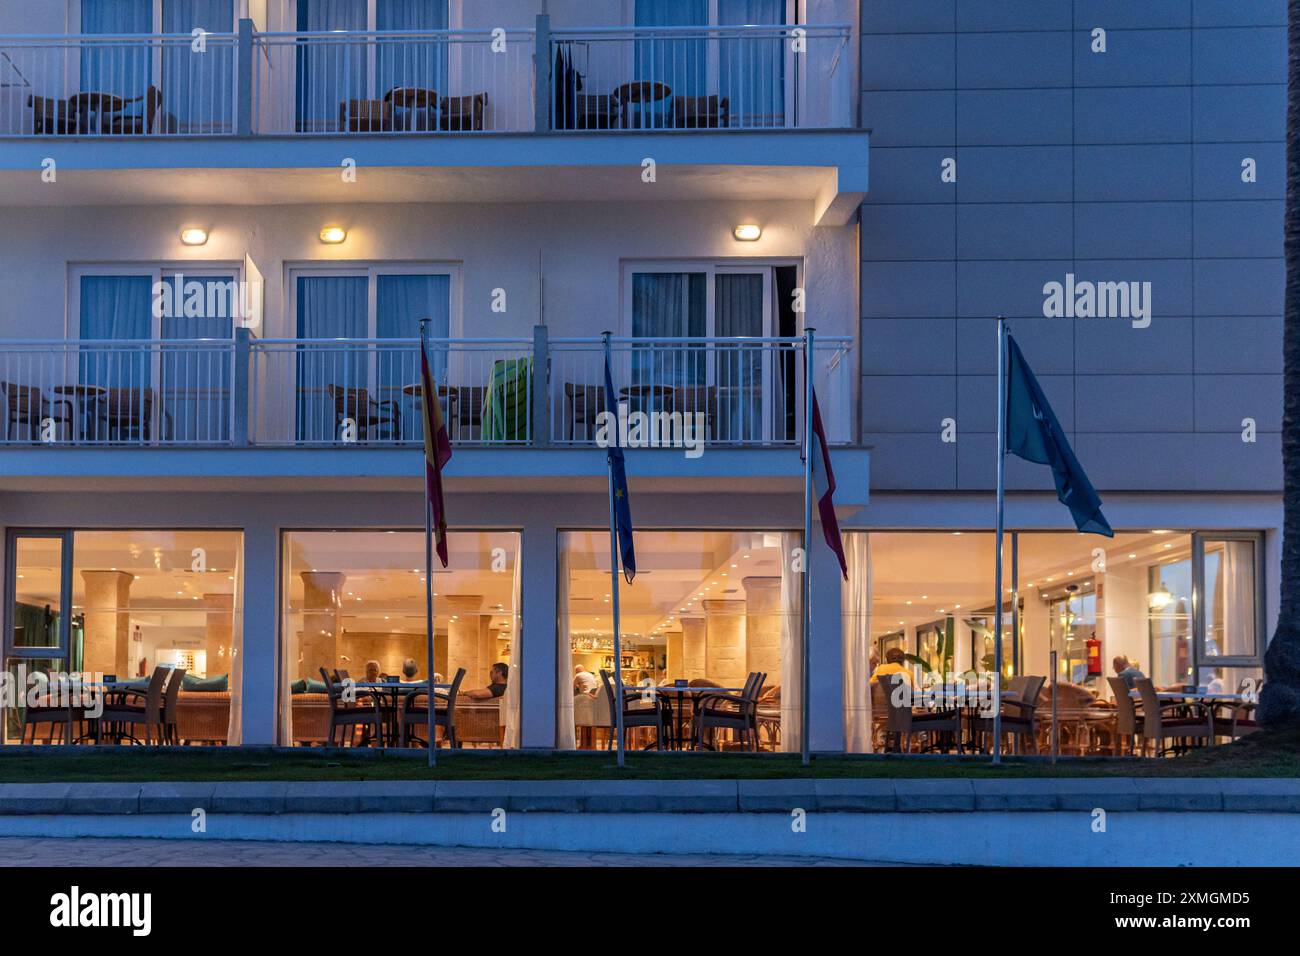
x: 206, y: 684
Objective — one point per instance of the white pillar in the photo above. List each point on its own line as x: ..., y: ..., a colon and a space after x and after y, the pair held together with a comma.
x: 261, y: 634
x: 825, y: 652
x: 537, y: 634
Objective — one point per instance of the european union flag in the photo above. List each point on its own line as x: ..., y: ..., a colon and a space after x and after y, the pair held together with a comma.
x: 1034, y: 434
x: 622, y: 508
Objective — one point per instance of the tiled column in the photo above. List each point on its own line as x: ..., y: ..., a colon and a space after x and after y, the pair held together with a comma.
x: 693, y: 644
x: 763, y: 626
x: 219, y: 631
x: 724, y: 647
x: 319, y: 646
x: 463, y: 637
x: 108, y: 626
x: 673, y: 645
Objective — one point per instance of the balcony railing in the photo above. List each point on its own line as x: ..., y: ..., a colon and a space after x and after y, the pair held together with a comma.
x: 393, y: 82
x: 427, y: 82
x: 690, y: 393
x: 163, y: 392
x: 741, y: 77
x: 129, y: 85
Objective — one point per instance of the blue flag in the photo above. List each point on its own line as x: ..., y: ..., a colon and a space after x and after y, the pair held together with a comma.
x: 1034, y: 434
x: 622, y: 507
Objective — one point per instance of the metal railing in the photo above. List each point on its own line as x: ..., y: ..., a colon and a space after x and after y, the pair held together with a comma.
x: 697, y: 391
x: 367, y: 391
x: 393, y: 82
x: 737, y: 77
x: 159, y: 392
x: 127, y: 85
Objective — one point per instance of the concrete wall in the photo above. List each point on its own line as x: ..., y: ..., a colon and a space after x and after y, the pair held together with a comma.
x: 1116, y: 166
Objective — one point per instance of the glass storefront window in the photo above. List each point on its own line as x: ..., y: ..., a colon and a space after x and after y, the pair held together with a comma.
x: 136, y: 601
x: 1231, y: 625
x: 707, y: 608
x: 1169, y: 596
x: 355, y: 603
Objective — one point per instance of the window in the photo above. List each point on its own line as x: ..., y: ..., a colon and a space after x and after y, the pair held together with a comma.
x: 746, y: 391
x: 355, y: 603
x: 178, y: 392
x: 329, y: 74
x: 196, y: 87
x: 708, y: 607
x: 364, y: 389
x: 118, y: 604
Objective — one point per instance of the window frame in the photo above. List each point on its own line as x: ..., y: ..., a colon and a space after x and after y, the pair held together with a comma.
x: 1199, y: 624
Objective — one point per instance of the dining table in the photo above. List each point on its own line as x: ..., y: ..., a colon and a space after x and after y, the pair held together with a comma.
x: 103, y: 105
x: 86, y: 399
x: 389, y: 694
x: 682, y: 695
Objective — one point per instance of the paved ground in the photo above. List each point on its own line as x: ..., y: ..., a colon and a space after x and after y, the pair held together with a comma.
x: 21, y: 851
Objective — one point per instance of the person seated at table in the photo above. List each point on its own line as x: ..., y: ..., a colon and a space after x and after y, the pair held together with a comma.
x: 372, y: 672
x: 1215, y: 684
x: 895, y: 663
x: 584, y: 681
x: 500, y: 673
x: 409, y: 669
x: 1126, y: 671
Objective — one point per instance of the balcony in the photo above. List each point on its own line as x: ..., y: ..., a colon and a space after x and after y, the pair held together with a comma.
x: 338, y: 393
x: 427, y: 82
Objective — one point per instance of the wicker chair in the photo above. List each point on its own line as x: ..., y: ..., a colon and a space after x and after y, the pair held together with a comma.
x: 1157, y: 728
x: 349, y: 717
x: 365, y: 116
x: 27, y: 406
x: 701, y: 112
x: 1126, y: 716
x: 735, y: 712
x: 444, y: 714
x: 1019, y: 716
x: 357, y: 405
x: 901, y: 722
x: 52, y: 116
x: 137, y: 124
x: 459, y: 113
x: 637, y: 713
x: 121, y: 713
x: 170, y: 731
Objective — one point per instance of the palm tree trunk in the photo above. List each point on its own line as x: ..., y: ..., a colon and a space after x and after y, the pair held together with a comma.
x: 1279, y: 703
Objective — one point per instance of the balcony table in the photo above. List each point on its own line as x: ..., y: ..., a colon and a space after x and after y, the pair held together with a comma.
x: 84, y: 397
x: 101, y: 104
x: 411, y: 98
x: 641, y: 93
x: 648, y: 398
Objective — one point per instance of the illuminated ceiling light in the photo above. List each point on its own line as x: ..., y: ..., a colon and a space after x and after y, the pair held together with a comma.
x: 747, y: 232
x: 194, y: 237
x: 1159, y: 599
x: 333, y: 234
x: 1160, y: 531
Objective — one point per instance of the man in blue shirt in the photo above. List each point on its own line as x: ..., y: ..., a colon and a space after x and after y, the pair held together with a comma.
x: 1127, y: 672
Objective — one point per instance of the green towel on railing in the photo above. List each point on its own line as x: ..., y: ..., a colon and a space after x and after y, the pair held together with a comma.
x: 506, y: 411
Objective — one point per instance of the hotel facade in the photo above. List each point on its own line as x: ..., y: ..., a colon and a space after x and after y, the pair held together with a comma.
x: 225, y: 220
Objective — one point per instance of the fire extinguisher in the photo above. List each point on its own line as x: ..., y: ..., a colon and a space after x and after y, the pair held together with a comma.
x: 1094, y: 656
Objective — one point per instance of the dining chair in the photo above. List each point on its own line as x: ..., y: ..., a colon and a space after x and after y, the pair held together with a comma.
x: 1019, y: 716
x: 1242, y: 719
x: 1157, y: 728
x: 121, y: 712
x: 737, y: 713
x: 636, y: 713
x: 137, y: 124
x: 355, y: 404
x: 50, y: 711
x: 414, y: 716
x: 902, y: 721
x: 171, y: 697
x: 365, y: 116
x: 701, y: 400
x: 363, y: 715
x: 701, y: 112
x: 52, y: 116
x: 585, y: 403
x: 126, y: 414
x: 462, y: 112
x: 27, y: 405
x: 1127, y: 719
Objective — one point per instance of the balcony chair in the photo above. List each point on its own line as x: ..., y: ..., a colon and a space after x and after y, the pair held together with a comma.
x: 364, y: 714
x: 137, y: 124
x: 463, y: 405
x: 596, y: 111
x: 585, y: 403
x: 127, y: 413
x: 357, y: 405
x: 1019, y: 715
x: 121, y: 713
x: 365, y: 116
x: 171, y: 697
x: 702, y: 399
x: 444, y: 714
x: 637, y: 713
x: 735, y: 712
x: 27, y: 406
x: 901, y: 721
x: 459, y: 113
x: 53, y: 117
x: 701, y: 112
x: 1157, y: 728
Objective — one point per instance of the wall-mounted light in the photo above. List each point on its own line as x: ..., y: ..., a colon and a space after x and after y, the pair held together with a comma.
x: 1159, y: 599
x: 333, y: 234
x: 194, y: 237
x: 747, y: 232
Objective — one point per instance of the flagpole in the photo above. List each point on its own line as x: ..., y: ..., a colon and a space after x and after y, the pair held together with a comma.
x: 997, y: 571
x: 806, y: 628
x: 617, y: 702
x: 428, y: 583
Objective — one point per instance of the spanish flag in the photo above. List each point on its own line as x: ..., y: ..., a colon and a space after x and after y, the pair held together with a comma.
x: 437, y: 452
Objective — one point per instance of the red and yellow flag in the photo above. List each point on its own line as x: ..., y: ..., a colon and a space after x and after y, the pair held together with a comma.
x: 437, y: 452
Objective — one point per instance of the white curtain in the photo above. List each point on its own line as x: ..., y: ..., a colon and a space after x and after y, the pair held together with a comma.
x: 791, y: 648
x: 566, y: 737
x: 1234, y: 606
x: 855, y: 613
x: 513, y: 689
x: 236, y: 650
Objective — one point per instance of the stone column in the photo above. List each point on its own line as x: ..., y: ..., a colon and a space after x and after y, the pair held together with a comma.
x: 724, y: 643
x: 673, y: 643
x: 763, y: 627
x: 219, y: 632
x: 321, y: 623
x: 693, y: 643
x: 463, y: 637
x: 108, y: 625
